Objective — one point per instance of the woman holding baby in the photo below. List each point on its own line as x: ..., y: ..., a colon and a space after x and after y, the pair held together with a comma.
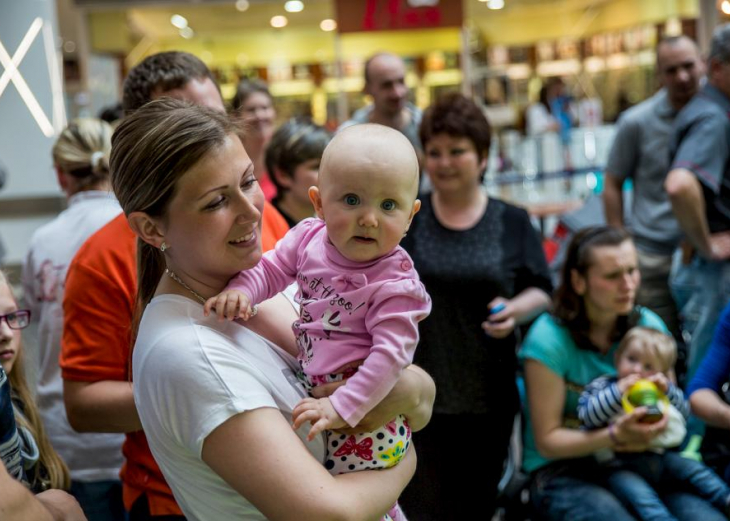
x: 215, y: 397
x: 564, y: 351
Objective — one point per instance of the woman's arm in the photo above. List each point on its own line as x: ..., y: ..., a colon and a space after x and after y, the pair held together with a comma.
x: 103, y: 406
x: 707, y: 405
x: 18, y: 504
x: 288, y: 483
x: 518, y: 310
x: 412, y: 396
x: 546, y: 396
x: 712, y: 373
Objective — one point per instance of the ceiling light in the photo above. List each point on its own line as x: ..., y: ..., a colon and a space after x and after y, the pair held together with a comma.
x: 279, y: 21
x: 495, y: 4
x: 187, y: 33
x: 242, y: 5
x: 179, y: 21
x: 725, y: 6
x: 293, y: 6
x: 330, y: 25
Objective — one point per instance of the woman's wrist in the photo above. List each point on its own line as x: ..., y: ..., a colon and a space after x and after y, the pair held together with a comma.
x: 613, y: 436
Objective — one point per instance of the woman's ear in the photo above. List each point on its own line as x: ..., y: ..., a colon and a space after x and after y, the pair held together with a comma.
x: 316, y: 199
x: 146, y: 228
x: 578, y: 282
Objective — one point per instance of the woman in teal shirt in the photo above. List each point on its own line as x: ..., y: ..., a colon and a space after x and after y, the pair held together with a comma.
x: 563, y: 351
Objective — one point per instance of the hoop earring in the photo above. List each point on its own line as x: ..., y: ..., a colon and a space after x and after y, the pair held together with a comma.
x: 163, y: 247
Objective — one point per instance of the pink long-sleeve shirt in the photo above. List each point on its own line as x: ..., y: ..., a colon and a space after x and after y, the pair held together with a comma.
x: 349, y: 311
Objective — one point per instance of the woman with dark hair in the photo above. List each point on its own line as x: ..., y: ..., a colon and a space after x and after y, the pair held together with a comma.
x: 253, y: 103
x: 481, y: 261
x: 564, y: 351
x: 292, y: 160
x: 215, y: 398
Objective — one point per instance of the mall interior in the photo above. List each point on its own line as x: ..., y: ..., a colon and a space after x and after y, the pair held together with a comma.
x: 558, y: 82
x: 501, y: 53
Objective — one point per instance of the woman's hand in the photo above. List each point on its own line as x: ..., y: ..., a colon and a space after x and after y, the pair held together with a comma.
x: 633, y: 436
x: 522, y: 308
x: 501, y: 323
x: 412, y: 396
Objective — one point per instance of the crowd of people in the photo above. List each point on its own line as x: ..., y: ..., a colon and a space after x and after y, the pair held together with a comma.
x: 216, y: 281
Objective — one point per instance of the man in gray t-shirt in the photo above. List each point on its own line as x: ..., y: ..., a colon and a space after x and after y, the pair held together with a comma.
x: 641, y: 152
x: 385, y: 82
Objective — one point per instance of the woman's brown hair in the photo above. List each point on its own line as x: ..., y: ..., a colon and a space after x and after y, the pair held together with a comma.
x: 151, y: 149
x: 568, y: 305
x: 52, y: 471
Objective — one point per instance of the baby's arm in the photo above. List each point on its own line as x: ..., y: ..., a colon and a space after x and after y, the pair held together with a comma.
x: 276, y: 270
x: 392, y: 320
x: 320, y: 413
x: 599, y: 403
x: 230, y: 304
x: 676, y: 398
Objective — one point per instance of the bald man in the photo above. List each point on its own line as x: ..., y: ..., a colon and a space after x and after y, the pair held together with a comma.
x: 385, y: 82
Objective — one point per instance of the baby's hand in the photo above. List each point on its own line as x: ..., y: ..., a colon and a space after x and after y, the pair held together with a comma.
x: 660, y: 381
x: 230, y: 304
x: 320, y: 413
x: 627, y: 381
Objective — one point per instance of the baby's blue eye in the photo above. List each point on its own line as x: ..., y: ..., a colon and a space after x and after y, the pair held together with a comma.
x: 351, y: 199
x: 388, y: 205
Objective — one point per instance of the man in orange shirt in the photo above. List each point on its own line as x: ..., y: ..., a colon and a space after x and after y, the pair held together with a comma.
x: 100, y: 299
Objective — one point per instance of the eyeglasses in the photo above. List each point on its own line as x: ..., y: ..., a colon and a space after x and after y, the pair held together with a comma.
x: 19, y: 319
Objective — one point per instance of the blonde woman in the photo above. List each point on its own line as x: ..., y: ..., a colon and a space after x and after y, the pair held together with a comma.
x: 81, y: 162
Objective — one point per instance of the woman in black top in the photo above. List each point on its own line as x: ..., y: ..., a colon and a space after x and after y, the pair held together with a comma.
x: 475, y: 255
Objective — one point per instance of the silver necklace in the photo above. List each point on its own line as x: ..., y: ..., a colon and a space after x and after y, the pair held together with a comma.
x: 177, y: 279
x: 173, y: 276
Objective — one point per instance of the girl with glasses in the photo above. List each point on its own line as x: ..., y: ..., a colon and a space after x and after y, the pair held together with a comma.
x: 42, y: 467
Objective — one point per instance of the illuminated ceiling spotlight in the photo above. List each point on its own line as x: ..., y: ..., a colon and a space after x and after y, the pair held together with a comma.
x: 495, y: 4
x: 294, y: 6
x: 725, y: 7
x: 328, y: 25
x: 187, y: 32
x: 279, y: 21
x: 242, y: 5
x: 179, y: 21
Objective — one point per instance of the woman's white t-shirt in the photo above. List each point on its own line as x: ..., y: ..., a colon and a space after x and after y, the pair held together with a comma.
x: 191, y: 374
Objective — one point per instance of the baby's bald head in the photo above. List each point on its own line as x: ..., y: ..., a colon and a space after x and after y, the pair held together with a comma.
x: 370, y: 148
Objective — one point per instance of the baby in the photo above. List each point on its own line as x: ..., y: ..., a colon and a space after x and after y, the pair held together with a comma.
x: 360, y: 297
x: 635, y: 478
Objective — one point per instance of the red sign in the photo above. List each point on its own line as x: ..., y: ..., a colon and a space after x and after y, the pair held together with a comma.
x: 395, y: 15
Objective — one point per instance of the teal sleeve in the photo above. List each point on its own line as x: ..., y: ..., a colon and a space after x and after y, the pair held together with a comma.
x: 545, y: 343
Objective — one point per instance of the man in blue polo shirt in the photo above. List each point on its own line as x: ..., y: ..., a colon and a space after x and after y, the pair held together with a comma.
x: 698, y: 185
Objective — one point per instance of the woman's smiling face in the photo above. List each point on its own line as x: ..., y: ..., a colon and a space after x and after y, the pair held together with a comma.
x: 212, y: 225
